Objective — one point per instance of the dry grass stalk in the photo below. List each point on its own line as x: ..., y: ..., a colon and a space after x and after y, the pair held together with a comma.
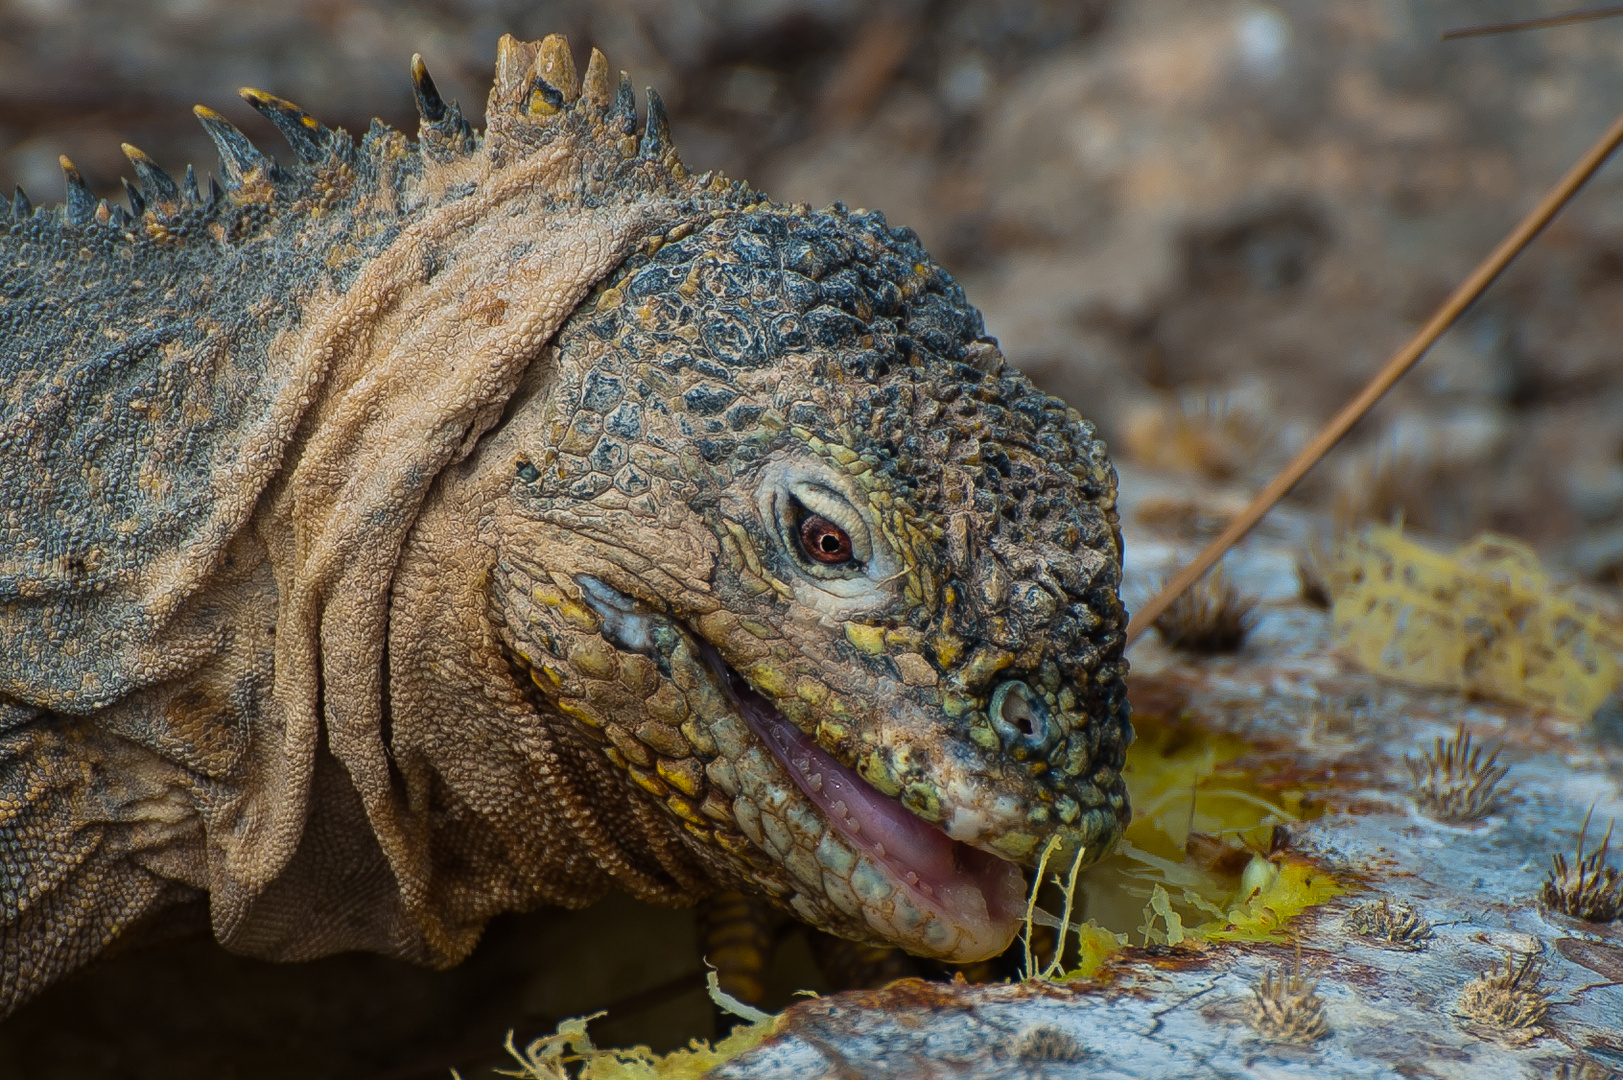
x: 1288, y: 1009
x: 1510, y: 1002
x: 1209, y: 617
x: 1396, y: 926
x: 1588, y: 889
x: 1453, y: 783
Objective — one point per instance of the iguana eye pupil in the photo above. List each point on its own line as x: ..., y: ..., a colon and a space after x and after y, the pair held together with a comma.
x: 825, y: 541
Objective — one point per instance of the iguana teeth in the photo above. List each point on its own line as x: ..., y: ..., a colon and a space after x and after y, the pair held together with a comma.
x: 302, y: 131
x: 430, y: 106
x: 190, y: 197
x: 80, y: 207
x: 157, y: 186
x: 20, y: 206
x: 656, y: 135
x: 238, y: 154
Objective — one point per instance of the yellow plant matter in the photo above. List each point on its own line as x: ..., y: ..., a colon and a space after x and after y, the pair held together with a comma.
x: 1095, y: 945
x: 1292, y: 886
x: 1486, y: 619
x: 1156, y: 886
x: 547, y: 1058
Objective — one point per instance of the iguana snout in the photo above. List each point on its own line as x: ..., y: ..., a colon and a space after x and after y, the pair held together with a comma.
x: 827, y: 581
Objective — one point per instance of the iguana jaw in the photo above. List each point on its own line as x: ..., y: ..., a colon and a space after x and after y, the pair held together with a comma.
x: 969, y: 900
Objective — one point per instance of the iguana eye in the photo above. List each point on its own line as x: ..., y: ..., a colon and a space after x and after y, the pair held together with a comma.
x: 824, y: 541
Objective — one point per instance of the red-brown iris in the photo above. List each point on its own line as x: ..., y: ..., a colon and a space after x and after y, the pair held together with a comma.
x: 824, y: 541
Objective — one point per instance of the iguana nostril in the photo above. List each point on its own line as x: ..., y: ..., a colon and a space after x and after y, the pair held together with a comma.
x: 1021, y: 717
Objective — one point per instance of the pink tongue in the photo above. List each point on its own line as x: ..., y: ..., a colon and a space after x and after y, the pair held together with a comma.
x: 957, y: 878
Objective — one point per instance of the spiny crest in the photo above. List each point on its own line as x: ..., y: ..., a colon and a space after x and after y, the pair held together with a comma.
x: 537, y: 94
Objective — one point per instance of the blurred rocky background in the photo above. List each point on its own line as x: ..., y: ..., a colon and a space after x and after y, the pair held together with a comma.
x: 1203, y: 222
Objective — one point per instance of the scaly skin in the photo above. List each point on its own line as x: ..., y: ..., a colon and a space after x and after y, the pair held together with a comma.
x: 438, y: 551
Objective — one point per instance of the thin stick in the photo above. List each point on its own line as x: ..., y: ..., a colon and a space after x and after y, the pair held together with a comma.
x: 1404, y: 359
x: 1534, y: 24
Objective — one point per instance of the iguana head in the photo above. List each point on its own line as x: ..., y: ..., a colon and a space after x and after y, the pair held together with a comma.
x: 827, y: 579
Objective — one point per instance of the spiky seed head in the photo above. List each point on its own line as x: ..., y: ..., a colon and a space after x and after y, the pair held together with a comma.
x: 1509, y: 1002
x: 1211, y: 616
x: 1588, y: 889
x: 1580, y: 1069
x: 1287, y: 1008
x: 1394, y: 925
x: 1217, y: 435
x: 1454, y: 782
x: 1314, y: 565
x: 1046, y: 1044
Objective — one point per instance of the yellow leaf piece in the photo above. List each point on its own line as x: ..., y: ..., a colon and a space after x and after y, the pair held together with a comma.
x: 1299, y: 885
x: 1161, y: 904
x: 1095, y: 945
x: 1486, y: 619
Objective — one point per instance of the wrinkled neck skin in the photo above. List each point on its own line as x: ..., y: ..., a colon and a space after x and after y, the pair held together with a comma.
x: 524, y: 807
x: 421, y: 356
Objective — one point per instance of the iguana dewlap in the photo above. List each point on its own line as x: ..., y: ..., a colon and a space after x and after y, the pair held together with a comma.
x: 428, y: 530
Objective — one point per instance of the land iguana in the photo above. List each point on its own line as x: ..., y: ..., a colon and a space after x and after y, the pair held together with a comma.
x: 422, y: 531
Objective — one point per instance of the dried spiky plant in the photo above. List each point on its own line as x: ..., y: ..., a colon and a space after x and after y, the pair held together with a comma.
x: 1453, y: 783
x: 1287, y: 1007
x: 1045, y: 1044
x: 1396, y: 926
x: 1510, y: 1002
x: 1313, y: 565
x: 1388, y: 485
x: 1218, y: 435
x: 1588, y: 889
x: 1209, y: 617
x: 1580, y: 1069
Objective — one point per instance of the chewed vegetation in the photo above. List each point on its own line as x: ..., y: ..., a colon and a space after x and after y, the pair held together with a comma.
x: 569, y: 1054
x: 1198, y: 864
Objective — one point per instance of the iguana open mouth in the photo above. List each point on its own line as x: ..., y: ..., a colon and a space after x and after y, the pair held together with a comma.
x: 978, y: 893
